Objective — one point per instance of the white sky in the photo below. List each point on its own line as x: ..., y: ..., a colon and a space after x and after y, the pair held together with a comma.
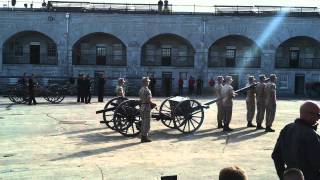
x: 308, y: 3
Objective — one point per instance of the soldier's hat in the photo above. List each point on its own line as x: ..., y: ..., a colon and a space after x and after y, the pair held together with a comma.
x: 273, y: 76
x: 145, y: 79
x: 220, y: 78
x: 121, y: 80
x: 251, y: 78
x: 262, y: 77
x: 228, y: 78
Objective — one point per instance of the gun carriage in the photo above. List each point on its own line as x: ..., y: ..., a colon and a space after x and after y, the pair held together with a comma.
x: 181, y: 113
x: 52, y: 93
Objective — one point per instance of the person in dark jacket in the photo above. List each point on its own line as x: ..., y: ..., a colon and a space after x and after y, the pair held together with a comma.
x: 101, y: 83
x: 152, y: 84
x: 180, y: 86
x: 298, y: 145
x: 199, y: 86
x: 87, y: 89
x: 31, y: 86
x: 79, y: 83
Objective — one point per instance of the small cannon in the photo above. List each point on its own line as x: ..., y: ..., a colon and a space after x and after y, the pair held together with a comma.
x: 181, y: 113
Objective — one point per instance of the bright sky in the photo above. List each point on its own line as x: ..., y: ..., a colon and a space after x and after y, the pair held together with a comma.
x: 308, y: 3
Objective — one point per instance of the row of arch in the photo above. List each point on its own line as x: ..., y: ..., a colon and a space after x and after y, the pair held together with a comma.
x: 103, y: 45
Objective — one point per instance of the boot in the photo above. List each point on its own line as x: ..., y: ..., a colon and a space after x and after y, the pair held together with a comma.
x: 220, y: 126
x: 250, y: 124
x: 269, y: 129
x: 145, y: 139
x: 227, y: 129
x: 259, y: 127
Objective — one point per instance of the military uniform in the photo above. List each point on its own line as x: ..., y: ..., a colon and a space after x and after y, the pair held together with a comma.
x: 227, y: 103
x: 145, y: 110
x: 261, y: 105
x: 101, y: 83
x: 251, y: 103
x: 220, y: 115
x: 270, y: 103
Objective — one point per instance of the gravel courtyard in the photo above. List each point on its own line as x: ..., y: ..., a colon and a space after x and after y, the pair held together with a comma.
x: 66, y: 141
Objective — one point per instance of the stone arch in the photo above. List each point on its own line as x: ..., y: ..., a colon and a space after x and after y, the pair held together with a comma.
x: 298, y: 52
x: 30, y: 47
x: 105, y: 48
x: 167, y: 49
x: 234, y: 51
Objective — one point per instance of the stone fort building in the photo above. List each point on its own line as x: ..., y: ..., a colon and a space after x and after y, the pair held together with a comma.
x: 63, y: 41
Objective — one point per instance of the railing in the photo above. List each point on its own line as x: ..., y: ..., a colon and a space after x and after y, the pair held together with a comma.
x: 27, y: 58
x: 69, y: 6
x: 93, y: 59
x: 303, y: 63
x: 174, y: 61
x: 238, y: 62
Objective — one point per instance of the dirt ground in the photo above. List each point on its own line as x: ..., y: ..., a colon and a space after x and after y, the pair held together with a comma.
x: 66, y: 141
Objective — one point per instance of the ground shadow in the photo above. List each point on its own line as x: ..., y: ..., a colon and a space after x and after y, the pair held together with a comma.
x: 87, y: 153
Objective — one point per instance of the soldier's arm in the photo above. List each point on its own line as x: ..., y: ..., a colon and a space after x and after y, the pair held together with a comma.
x: 277, y: 157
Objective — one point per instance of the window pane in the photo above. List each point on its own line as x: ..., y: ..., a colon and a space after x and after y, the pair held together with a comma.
x: 166, y: 52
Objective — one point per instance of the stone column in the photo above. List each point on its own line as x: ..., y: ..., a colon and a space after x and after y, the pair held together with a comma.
x: 201, y: 64
x: 133, y: 59
x: 268, y: 61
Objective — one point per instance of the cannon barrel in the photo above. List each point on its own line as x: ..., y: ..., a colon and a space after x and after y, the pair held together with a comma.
x: 237, y: 91
x: 106, y: 110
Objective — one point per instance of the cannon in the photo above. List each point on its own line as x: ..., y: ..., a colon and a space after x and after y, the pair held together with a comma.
x: 181, y: 113
x: 52, y: 93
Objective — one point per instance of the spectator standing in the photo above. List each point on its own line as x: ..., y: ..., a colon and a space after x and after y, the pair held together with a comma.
x: 191, y: 85
x: 180, y: 83
x: 101, y: 84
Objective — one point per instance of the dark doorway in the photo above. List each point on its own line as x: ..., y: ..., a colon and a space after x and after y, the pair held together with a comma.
x: 166, y: 83
x: 299, y: 84
x: 34, y: 54
x: 235, y: 82
x: 294, y: 58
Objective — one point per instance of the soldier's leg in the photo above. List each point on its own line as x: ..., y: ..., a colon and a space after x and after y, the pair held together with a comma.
x: 220, y: 115
x: 270, y: 115
x: 250, y: 111
x: 145, y: 126
x: 260, y: 114
x: 228, y: 116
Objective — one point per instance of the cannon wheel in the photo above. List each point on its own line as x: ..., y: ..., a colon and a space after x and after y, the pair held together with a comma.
x: 127, y: 118
x: 165, y: 113
x: 54, y: 95
x: 108, y: 116
x: 188, y: 116
x: 18, y: 94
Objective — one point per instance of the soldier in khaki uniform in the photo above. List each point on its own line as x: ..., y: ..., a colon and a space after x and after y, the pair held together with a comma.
x: 228, y: 94
x: 217, y: 89
x: 145, y: 110
x: 271, y: 102
x: 260, y: 98
x: 250, y: 101
x: 120, y: 89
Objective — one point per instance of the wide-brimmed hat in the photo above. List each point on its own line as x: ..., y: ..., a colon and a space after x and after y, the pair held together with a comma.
x: 121, y: 80
x: 228, y: 78
x: 145, y: 79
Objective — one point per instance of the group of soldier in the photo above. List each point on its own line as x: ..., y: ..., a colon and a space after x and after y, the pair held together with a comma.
x: 261, y: 94
x: 85, y: 88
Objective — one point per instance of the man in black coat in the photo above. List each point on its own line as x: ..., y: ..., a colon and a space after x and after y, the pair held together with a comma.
x: 298, y: 145
x: 101, y: 83
x: 87, y: 89
x: 31, y: 85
